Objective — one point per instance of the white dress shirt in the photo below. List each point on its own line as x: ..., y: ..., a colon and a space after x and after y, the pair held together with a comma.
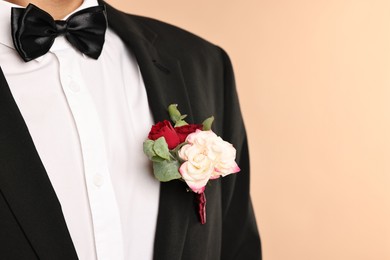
x: 88, y: 119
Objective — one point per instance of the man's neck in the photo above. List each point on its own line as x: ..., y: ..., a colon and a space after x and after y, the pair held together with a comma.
x: 56, y: 8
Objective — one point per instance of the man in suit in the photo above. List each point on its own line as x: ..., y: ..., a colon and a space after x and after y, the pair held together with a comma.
x: 74, y: 183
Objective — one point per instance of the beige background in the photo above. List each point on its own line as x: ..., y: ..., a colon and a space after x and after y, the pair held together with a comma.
x: 314, y: 83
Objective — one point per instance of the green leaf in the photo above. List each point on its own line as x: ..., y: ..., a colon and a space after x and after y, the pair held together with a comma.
x: 176, y: 116
x: 174, y: 113
x: 166, y: 170
x: 161, y: 149
x: 208, y: 123
x: 157, y: 159
x: 148, y: 148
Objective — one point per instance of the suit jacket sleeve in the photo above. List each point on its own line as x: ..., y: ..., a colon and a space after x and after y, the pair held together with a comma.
x: 240, y: 238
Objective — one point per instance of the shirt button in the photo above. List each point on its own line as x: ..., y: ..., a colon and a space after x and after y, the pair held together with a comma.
x: 98, y: 180
x: 74, y: 86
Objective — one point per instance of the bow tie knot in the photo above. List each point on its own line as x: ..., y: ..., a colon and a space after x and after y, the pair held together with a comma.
x: 61, y: 27
x: 34, y: 31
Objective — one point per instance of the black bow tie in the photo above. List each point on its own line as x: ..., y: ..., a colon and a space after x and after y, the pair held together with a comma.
x: 34, y: 31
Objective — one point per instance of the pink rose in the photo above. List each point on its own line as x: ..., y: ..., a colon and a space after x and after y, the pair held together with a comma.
x: 166, y: 130
x: 206, y: 157
x: 185, y: 130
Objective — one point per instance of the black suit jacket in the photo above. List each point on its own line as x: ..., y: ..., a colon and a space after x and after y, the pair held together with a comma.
x: 177, y: 67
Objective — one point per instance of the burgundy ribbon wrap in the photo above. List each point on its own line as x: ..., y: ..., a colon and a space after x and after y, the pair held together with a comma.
x: 201, y: 202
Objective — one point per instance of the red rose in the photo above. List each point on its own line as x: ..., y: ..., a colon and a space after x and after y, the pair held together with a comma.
x: 185, y: 130
x: 166, y: 130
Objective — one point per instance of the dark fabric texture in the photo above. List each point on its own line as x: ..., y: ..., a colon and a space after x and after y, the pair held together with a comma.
x: 177, y: 67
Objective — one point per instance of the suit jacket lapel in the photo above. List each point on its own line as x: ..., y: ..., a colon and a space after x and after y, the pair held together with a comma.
x: 164, y: 84
x: 26, y: 187
x: 161, y: 72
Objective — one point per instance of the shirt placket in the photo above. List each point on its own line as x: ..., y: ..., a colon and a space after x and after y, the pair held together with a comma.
x: 103, y: 204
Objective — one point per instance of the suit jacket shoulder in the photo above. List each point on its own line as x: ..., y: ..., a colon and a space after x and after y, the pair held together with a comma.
x: 176, y: 40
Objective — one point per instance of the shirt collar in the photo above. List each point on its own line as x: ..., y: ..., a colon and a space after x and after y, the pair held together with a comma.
x: 5, y: 21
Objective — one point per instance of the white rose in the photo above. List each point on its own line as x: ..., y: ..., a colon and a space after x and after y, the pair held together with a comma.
x: 223, y: 154
x: 197, y: 169
x: 206, y: 157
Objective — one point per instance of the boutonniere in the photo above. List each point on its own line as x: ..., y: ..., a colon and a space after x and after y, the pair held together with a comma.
x: 192, y: 153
